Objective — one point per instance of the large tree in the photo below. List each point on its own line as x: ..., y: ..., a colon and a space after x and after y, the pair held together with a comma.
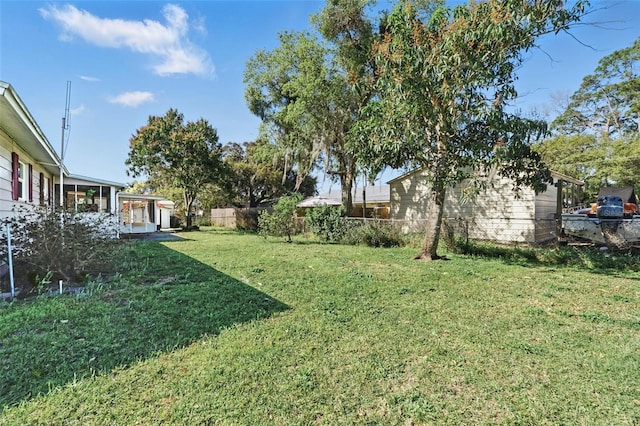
x: 608, y: 100
x: 596, y: 136
x: 597, y: 160
x: 444, y: 79
x: 307, y: 107
x: 254, y: 177
x: 185, y: 155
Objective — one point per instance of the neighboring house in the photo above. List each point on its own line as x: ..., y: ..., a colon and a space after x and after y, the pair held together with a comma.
x: 374, y: 197
x: 497, y: 213
x: 85, y: 194
x: 140, y: 213
x: 28, y: 162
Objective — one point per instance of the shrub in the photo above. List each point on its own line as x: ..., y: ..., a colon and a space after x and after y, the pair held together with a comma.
x: 281, y: 222
x: 374, y: 234
x: 59, y: 245
x: 327, y: 222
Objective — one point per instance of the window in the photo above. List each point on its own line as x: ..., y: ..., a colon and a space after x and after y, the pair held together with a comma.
x: 22, y: 181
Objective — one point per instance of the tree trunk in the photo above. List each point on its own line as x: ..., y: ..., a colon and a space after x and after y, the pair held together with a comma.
x: 346, y: 184
x: 435, y: 211
x: 188, y: 202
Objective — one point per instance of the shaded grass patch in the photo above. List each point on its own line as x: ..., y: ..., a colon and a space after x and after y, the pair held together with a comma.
x: 50, y: 341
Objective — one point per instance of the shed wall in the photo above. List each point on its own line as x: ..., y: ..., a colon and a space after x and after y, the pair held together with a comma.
x: 497, y: 213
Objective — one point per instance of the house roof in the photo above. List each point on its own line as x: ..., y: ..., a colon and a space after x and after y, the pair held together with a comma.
x: 565, y: 178
x: 374, y: 193
x: 85, y: 180
x: 132, y: 196
x: 318, y: 201
x: 19, y: 125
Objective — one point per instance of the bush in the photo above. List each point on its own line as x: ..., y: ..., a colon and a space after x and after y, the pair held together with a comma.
x: 327, y: 222
x: 281, y: 222
x: 51, y: 245
x: 374, y: 234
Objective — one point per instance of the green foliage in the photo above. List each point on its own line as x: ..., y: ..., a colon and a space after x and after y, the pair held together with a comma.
x: 598, y: 139
x: 256, y: 174
x: 282, y: 221
x: 599, y: 161
x: 607, y: 102
x: 60, y: 245
x: 327, y: 222
x: 247, y: 218
x: 444, y: 81
x: 374, y: 234
x: 177, y: 154
x: 306, y: 106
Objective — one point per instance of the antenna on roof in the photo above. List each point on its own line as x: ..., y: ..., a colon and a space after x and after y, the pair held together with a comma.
x: 65, y: 121
x: 65, y: 141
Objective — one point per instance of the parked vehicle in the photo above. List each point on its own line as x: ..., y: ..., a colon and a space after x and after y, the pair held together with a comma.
x: 614, y: 219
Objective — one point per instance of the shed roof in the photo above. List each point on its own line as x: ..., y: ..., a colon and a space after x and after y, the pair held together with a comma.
x: 627, y: 193
x: 556, y: 175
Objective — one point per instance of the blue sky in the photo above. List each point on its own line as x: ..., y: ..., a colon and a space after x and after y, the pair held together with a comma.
x: 127, y: 60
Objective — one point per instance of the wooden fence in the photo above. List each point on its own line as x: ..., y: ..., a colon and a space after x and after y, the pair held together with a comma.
x: 237, y: 218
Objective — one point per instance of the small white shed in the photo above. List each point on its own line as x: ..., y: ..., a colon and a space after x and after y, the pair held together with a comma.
x: 495, y: 214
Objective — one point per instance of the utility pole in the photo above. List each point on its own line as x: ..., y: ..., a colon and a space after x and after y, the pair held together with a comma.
x: 65, y: 128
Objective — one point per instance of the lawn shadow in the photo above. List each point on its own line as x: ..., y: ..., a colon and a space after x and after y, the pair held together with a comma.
x: 49, y: 342
x: 590, y: 258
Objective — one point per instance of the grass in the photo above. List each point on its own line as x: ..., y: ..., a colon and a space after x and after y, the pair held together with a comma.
x: 229, y: 328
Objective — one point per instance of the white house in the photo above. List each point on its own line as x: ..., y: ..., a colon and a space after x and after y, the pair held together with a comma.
x: 496, y: 214
x: 28, y: 162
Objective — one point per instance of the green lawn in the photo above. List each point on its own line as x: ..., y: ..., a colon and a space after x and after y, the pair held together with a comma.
x: 229, y: 328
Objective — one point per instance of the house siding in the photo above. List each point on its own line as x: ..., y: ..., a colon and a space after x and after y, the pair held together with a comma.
x: 498, y: 213
x: 546, y: 213
x: 6, y: 201
x: 7, y: 204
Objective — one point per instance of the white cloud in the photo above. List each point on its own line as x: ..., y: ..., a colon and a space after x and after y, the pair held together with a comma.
x: 169, y: 42
x: 87, y: 78
x: 132, y: 99
x: 77, y: 111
